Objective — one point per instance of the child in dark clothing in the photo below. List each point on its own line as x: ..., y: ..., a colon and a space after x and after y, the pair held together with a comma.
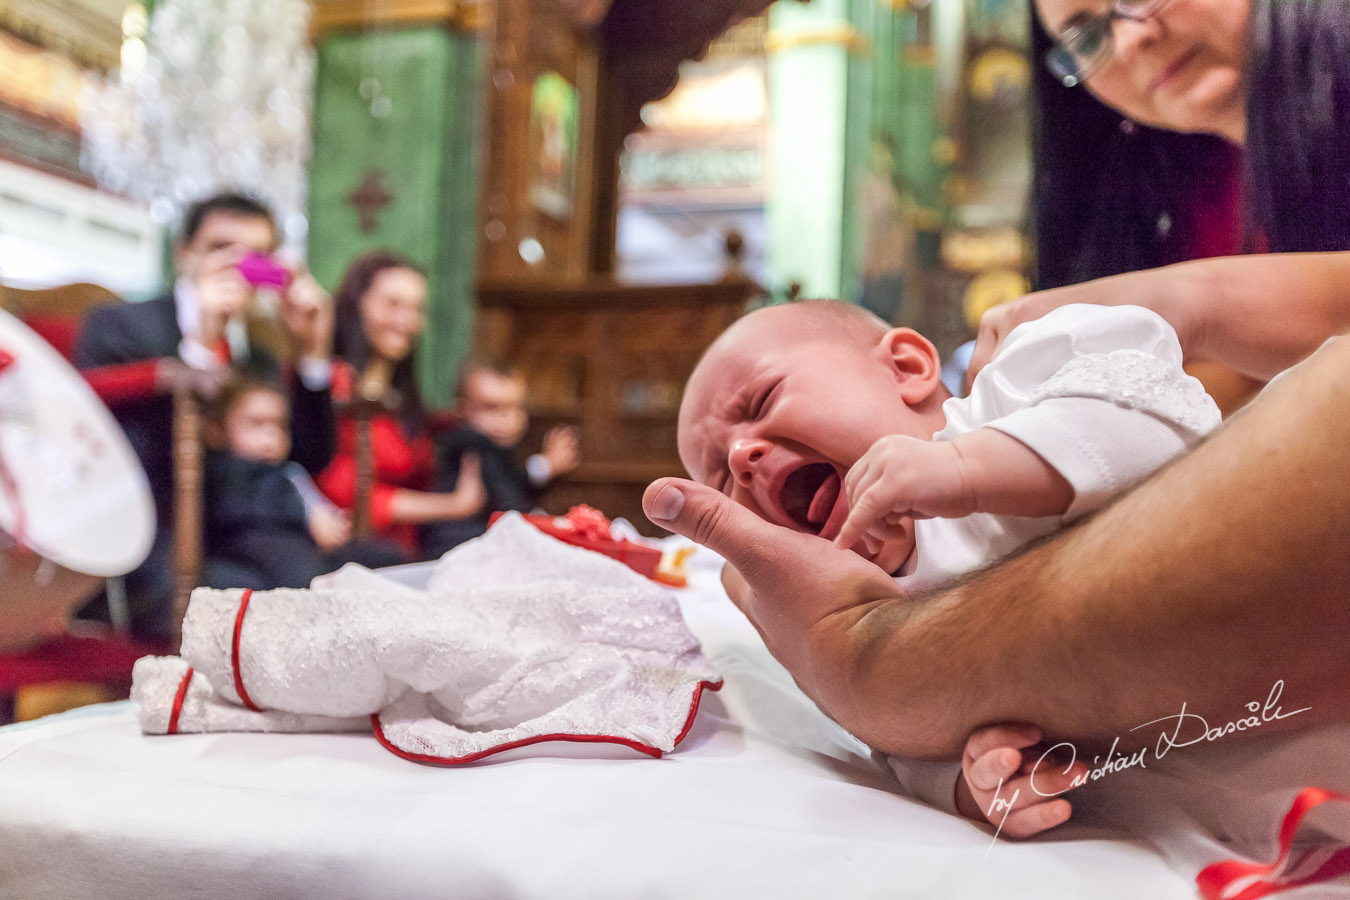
x: 490, y: 403
x: 266, y: 524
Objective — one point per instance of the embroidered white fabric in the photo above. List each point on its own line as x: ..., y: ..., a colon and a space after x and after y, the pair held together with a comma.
x: 1099, y: 393
x: 1135, y: 380
x: 518, y: 637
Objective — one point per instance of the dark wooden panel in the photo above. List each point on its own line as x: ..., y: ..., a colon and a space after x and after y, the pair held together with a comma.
x: 611, y: 360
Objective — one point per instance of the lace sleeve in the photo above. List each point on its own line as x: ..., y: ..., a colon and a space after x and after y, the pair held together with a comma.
x: 1135, y: 380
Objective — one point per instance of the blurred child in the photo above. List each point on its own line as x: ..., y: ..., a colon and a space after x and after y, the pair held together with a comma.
x: 490, y: 404
x: 266, y: 525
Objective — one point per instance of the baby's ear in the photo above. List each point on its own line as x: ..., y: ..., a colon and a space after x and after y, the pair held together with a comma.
x: 915, y: 361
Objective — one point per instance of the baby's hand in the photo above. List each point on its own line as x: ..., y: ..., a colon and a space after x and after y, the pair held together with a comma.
x: 329, y: 527
x: 1005, y: 782
x: 903, y: 477
x: 562, y: 449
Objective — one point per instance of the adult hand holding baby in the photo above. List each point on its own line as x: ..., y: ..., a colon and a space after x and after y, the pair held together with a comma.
x: 816, y: 606
x: 823, y: 612
x: 1173, y: 293
x: 1257, y: 314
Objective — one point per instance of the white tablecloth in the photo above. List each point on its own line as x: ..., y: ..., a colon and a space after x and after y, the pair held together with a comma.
x: 765, y: 798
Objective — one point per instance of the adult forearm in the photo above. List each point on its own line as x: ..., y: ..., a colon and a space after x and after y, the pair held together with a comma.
x: 1258, y: 314
x: 1261, y: 314
x: 1221, y: 575
x: 419, y: 507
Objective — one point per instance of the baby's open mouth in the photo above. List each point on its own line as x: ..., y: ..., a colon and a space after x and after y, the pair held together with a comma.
x: 809, y: 495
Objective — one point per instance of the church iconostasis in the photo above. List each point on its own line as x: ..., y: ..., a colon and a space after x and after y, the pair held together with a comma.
x: 540, y: 84
x: 954, y: 199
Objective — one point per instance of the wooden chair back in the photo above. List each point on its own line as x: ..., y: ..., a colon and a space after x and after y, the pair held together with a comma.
x: 55, y: 314
x: 610, y: 359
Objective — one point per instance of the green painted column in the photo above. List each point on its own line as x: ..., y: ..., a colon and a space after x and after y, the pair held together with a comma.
x: 904, y: 102
x: 400, y: 107
x: 861, y: 75
x: 829, y: 101
x: 808, y: 112
x: 906, y: 106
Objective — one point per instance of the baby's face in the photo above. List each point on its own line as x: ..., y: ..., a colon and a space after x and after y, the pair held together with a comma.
x: 257, y: 427
x: 775, y: 417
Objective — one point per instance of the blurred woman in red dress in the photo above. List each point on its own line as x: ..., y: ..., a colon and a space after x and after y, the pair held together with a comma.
x: 380, y: 310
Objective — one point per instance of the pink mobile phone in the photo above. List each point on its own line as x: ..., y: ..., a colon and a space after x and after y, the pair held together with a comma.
x: 260, y: 270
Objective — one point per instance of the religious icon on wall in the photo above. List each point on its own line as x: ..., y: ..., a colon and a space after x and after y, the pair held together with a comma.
x: 553, y: 137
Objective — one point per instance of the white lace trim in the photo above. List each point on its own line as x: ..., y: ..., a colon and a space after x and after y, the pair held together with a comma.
x: 1133, y: 379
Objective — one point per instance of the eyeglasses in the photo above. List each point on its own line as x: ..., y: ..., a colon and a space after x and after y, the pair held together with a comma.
x: 1086, y: 46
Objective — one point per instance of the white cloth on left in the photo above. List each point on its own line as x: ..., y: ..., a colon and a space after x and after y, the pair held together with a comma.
x: 1100, y: 394
x: 520, y: 638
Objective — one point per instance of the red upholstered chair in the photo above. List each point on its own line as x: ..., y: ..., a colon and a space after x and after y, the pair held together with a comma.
x: 55, y: 314
x: 103, y: 660
x: 34, y: 603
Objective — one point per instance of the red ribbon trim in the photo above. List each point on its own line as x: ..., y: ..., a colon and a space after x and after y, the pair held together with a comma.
x: 178, y: 701
x: 234, y: 653
x: 543, y: 738
x: 7, y: 480
x: 1235, y: 879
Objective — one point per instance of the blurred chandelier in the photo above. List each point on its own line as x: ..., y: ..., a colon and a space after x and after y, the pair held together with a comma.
x: 216, y: 97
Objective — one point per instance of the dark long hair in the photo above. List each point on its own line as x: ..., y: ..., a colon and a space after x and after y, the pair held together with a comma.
x: 349, y: 338
x: 1112, y: 196
x: 230, y: 202
x: 1298, y: 124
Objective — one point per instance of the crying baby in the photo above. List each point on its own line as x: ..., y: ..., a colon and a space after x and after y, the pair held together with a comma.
x: 822, y: 418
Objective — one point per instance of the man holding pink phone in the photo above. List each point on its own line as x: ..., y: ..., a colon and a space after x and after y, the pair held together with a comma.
x: 223, y: 257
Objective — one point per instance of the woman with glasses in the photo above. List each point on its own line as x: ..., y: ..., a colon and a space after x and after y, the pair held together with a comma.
x: 1270, y: 75
x: 1175, y: 64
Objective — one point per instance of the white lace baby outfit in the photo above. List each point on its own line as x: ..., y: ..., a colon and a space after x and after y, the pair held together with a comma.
x: 519, y: 638
x: 1099, y: 393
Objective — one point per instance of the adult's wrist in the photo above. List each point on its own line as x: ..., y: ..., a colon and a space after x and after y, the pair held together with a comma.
x: 884, y: 671
x: 211, y: 327
x: 316, y: 373
x: 1189, y: 297
x: 197, y: 354
x: 315, y: 347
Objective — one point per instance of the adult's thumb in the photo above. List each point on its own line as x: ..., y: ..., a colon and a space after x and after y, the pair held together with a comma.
x: 710, y: 518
